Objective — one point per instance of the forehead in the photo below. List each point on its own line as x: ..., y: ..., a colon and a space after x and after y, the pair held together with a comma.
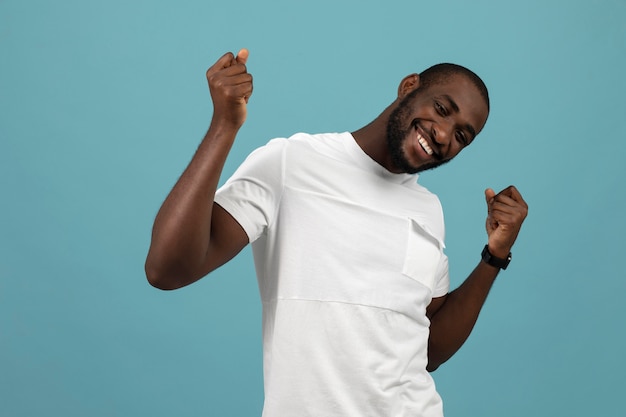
x: 465, y: 95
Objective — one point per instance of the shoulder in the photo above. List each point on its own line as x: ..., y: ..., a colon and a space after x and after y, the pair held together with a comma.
x: 300, y: 141
x: 318, y: 141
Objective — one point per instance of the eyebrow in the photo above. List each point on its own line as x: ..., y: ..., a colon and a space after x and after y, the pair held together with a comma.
x: 456, y: 109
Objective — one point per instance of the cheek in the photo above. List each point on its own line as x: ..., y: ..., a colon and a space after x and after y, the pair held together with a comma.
x: 456, y: 149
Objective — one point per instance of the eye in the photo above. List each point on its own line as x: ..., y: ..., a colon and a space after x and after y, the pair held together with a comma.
x: 461, y: 137
x: 441, y: 109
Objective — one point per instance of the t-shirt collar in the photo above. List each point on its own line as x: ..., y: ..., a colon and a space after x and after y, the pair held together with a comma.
x: 367, y: 163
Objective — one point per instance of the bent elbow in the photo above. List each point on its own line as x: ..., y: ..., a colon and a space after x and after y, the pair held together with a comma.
x: 159, y: 279
x: 432, y: 367
x: 435, y: 359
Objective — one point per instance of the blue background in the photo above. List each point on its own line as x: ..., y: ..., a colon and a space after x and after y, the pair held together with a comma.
x: 102, y: 104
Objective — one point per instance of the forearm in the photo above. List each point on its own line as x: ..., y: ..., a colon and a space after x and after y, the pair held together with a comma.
x: 453, y: 317
x: 452, y: 324
x: 182, y: 228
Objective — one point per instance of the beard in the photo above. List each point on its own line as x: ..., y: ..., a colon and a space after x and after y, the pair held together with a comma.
x: 397, y: 135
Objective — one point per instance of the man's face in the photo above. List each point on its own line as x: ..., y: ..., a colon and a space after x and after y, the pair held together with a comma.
x: 431, y: 126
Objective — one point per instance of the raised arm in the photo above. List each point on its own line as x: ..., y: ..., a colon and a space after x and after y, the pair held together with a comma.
x: 192, y: 235
x: 454, y: 315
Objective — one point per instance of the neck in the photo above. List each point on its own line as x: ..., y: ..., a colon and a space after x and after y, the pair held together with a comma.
x: 372, y: 138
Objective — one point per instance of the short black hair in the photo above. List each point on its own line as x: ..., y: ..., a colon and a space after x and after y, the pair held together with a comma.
x: 440, y: 73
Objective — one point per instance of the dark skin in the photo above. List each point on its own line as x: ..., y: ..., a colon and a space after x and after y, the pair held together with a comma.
x: 193, y: 236
x: 450, y: 116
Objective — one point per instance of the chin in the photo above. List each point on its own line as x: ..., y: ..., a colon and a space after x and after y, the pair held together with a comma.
x: 404, y: 164
x: 431, y: 165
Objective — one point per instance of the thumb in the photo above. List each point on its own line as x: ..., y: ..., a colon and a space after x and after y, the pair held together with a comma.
x: 242, y: 56
x: 489, y: 195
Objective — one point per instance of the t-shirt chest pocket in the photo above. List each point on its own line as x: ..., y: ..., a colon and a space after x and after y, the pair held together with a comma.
x: 423, y: 255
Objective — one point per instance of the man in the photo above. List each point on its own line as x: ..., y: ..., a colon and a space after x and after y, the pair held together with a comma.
x: 348, y: 247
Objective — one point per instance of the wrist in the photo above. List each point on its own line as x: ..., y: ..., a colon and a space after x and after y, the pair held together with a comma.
x: 498, y: 251
x: 225, y: 124
x: 494, y: 260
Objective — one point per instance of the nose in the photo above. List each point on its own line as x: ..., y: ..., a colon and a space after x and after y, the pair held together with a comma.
x: 441, y: 133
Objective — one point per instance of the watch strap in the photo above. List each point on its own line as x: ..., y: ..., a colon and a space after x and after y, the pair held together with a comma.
x: 495, y: 261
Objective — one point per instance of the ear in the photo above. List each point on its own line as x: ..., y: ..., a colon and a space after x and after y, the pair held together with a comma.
x: 408, y: 84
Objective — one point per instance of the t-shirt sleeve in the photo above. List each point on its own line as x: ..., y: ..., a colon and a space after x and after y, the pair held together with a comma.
x: 441, y: 285
x: 251, y: 195
x: 442, y: 280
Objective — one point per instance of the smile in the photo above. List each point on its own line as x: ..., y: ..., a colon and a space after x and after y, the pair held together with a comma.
x: 424, y: 144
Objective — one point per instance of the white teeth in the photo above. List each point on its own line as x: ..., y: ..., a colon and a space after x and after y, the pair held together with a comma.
x: 424, y: 144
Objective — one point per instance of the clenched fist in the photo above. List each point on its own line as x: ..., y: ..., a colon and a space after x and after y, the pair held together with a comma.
x: 506, y: 212
x: 231, y: 86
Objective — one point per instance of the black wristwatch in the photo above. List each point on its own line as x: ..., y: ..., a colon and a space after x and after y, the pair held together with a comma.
x: 493, y: 261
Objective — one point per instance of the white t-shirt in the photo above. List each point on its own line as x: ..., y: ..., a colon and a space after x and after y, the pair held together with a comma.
x: 348, y: 256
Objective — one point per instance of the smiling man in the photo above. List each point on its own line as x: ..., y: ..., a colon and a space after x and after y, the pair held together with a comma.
x: 451, y: 81
x: 348, y: 247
